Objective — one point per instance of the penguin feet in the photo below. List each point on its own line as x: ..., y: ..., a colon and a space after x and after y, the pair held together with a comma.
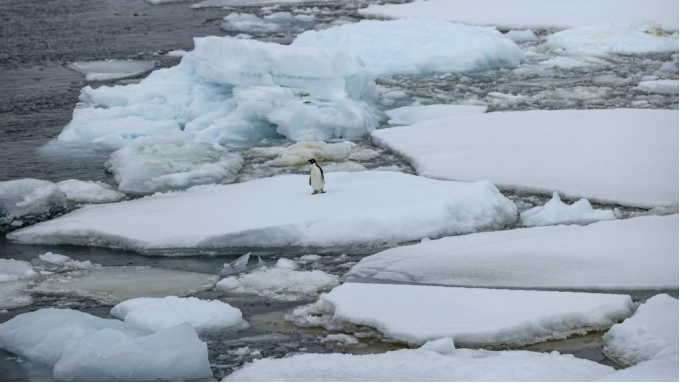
x: 315, y: 192
x: 323, y: 192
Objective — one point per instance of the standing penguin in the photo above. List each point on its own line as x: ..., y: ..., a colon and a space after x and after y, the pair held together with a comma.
x: 316, y: 177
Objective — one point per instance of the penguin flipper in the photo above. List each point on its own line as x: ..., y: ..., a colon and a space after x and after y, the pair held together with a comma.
x: 310, y: 180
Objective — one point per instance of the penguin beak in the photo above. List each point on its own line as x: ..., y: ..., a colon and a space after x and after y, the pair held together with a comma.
x: 310, y: 161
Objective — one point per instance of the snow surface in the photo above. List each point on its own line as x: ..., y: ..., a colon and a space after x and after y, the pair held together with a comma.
x: 275, y: 22
x: 650, y: 371
x: 556, y: 212
x: 578, y: 153
x: 151, y: 164
x: 80, y: 346
x: 15, y: 278
x: 659, y: 86
x: 651, y: 333
x: 473, y: 317
x: 418, y: 47
x: 229, y: 91
x: 300, y: 153
x: 603, y: 40
x: 29, y: 200
x: 409, y: 115
x: 637, y: 253
x: 280, y: 211
x: 154, y: 314
x: 89, y: 191
x: 523, y: 14
x: 106, y: 70
x: 435, y: 361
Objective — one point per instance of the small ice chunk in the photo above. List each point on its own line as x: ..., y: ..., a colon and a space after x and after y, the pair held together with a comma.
x: 556, y: 212
x: 521, y: 36
x: 284, y: 263
x: 227, y: 284
x: 241, y: 351
x: 651, y: 333
x: 669, y: 67
x: 28, y: 200
x: 283, y: 284
x: 177, y: 53
x: 90, y: 191
x: 237, y: 266
x: 275, y: 22
x: 154, y: 314
x: 58, y: 262
x: 409, y: 115
x: 106, y: 70
x: 310, y: 258
x: 342, y: 338
x: 659, y: 86
x: 607, y: 39
x: 15, y: 279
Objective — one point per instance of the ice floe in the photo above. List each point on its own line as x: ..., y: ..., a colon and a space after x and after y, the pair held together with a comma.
x: 80, y: 346
x: 410, y: 47
x: 409, y: 115
x: 87, y: 192
x: 659, y: 86
x: 28, y: 200
x: 275, y: 22
x: 599, y: 40
x: 435, y: 361
x: 578, y: 153
x: 523, y: 14
x: 112, y: 69
x: 15, y: 279
x: 300, y: 152
x: 650, y: 371
x: 631, y: 254
x: 472, y: 317
x: 151, y: 164
x: 556, y: 212
x: 59, y: 263
x: 281, y: 211
x: 651, y: 333
x: 154, y: 314
x: 230, y: 90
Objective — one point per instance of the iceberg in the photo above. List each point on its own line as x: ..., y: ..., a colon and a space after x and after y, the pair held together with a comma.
x: 80, y: 346
x: 280, y: 211
x: 27, y: 201
x: 87, y: 192
x: 107, y: 70
x: 578, y: 153
x: 15, y: 279
x: 409, y: 115
x: 418, y: 47
x: 632, y: 254
x: 556, y: 212
x: 607, y: 39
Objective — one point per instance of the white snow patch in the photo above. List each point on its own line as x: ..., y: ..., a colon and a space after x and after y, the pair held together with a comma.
x: 650, y: 371
x: 280, y: 283
x: 637, y: 253
x: 112, y: 69
x: 29, y: 200
x: 409, y: 115
x: 574, y: 152
x: 89, y: 191
x: 416, y: 47
x: 556, y: 212
x: 280, y: 211
x: 659, y: 86
x: 602, y: 40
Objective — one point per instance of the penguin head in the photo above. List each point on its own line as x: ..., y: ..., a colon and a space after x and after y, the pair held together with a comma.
x: 312, y: 161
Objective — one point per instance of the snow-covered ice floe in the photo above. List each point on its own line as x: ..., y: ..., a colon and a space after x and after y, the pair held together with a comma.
x: 300, y: 152
x: 409, y: 115
x: 230, y: 90
x: 28, y: 200
x: 651, y: 333
x: 411, y: 47
x: 280, y: 211
x: 472, y: 317
x: 276, y: 22
x: 154, y: 314
x: 659, y: 86
x: 152, y: 164
x: 112, y: 69
x: 556, y: 212
x: 80, y: 346
x: 657, y: 370
x: 15, y: 279
x: 602, y: 40
x: 624, y: 156
x: 633, y: 254
x: 523, y: 14
x: 87, y: 192
x: 435, y: 361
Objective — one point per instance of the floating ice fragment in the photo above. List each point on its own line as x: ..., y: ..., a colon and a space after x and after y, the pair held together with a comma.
x: 89, y: 191
x: 26, y: 201
x: 112, y: 69
x: 556, y: 212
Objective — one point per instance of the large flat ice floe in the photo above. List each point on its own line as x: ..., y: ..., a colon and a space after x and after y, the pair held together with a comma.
x: 154, y: 314
x: 652, y: 333
x: 624, y: 156
x: 357, y: 208
x: 80, y: 346
x: 631, y: 254
x: 472, y: 317
x: 229, y: 90
x: 603, y: 40
x: 416, y: 47
x: 435, y: 361
x: 523, y: 14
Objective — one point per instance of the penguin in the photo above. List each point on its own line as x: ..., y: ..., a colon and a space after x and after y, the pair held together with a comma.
x: 316, y: 179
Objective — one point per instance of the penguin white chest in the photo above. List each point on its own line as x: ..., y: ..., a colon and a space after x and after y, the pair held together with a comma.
x: 317, y: 180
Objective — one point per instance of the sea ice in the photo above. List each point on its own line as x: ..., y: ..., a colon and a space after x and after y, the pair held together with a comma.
x: 15, y: 278
x: 154, y: 314
x: 87, y: 192
x: 409, y: 115
x: 80, y: 346
x: 112, y: 69
x: 573, y: 152
x: 661, y: 370
x: 59, y: 263
x: 659, y: 86
x: 473, y: 317
x: 280, y: 211
x: 275, y: 22
x: 602, y: 40
x: 280, y: 283
x: 521, y: 36
x: 651, y: 333
x: 435, y: 361
x: 28, y: 200
x: 556, y: 212
x: 523, y: 14
x: 633, y: 254
x: 151, y: 164
x: 417, y: 47
x: 300, y: 152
